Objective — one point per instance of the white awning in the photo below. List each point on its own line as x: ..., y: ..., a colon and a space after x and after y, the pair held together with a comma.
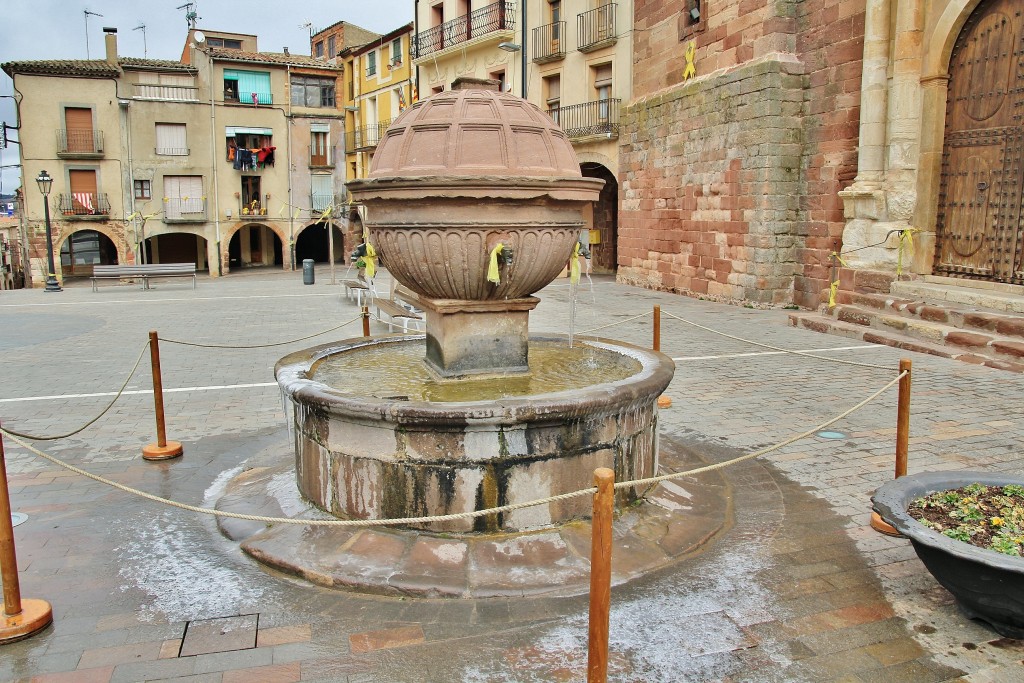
x: 320, y: 128
x: 240, y: 130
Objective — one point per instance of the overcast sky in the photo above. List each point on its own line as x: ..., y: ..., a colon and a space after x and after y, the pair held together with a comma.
x: 56, y: 29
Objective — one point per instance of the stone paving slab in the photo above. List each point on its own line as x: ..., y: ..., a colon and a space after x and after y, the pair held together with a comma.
x: 799, y: 589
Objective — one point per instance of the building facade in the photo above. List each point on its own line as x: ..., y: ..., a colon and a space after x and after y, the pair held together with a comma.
x: 219, y: 159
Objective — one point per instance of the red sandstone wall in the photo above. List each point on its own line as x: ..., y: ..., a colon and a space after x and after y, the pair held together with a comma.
x: 732, y: 220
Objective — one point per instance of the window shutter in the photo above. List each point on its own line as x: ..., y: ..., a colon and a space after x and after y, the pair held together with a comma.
x: 170, y: 138
x: 602, y: 75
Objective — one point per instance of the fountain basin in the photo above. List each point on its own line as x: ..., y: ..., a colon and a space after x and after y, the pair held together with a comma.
x: 391, y: 455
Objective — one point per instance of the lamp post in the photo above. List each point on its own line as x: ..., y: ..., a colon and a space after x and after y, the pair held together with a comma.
x: 45, y: 181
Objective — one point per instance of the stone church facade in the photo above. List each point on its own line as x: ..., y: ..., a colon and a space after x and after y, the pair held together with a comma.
x: 822, y: 127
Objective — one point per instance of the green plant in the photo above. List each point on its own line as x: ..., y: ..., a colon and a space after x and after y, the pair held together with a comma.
x: 990, y: 517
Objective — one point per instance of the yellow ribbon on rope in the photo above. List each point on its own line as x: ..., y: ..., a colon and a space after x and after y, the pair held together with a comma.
x: 492, y: 268
x: 371, y: 260
x: 691, y: 70
x: 574, y: 265
x: 906, y: 242
x: 834, y: 287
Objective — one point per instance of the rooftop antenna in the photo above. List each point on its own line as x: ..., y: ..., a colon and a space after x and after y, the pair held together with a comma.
x: 87, y: 14
x: 309, y: 27
x: 142, y: 27
x: 190, y: 13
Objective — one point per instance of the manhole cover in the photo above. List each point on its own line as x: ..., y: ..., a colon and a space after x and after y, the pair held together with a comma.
x: 18, y: 518
x: 831, y: 435
x: 222, y: 634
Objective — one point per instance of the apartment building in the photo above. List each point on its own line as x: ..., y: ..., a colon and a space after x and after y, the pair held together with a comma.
x: 571, y: 58
x: 222, y: 158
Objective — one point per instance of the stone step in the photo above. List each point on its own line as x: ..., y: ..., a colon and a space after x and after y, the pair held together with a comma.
x: 981, y: 320
x: 983, y: 354
x: 978, y: 294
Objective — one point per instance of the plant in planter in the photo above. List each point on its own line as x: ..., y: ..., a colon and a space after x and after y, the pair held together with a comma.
x: 955, y: 509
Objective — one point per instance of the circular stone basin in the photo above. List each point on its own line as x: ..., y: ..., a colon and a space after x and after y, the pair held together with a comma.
x: 375, y: 439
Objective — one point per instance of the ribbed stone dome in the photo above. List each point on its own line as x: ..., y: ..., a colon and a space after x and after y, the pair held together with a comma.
x: 474, y: 131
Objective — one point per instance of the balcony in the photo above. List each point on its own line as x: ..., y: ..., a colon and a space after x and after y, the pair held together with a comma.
x: 252, y: 98
x: 169, y: 93
x: 596, y: 29
x: 185, y: 210
x: 477, y: 24
x: 83, y: 206
x: 79, y: 143
x: 549, y: 42
x: 321, y: 202
x: 367, y: 137
x: 597, y: 119
x: 323, y: 160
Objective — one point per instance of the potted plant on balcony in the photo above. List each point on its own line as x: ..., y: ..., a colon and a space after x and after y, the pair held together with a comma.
x: 944, y: 514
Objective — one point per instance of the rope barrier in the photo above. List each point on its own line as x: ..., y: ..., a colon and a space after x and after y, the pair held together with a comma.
x: 440, y: 518
x: 620, y: 322
x: 778, y: 348
x: 92, y: 421
x: 257, y: 346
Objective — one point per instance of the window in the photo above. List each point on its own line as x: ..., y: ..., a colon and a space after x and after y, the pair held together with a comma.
x: 553, y: 94
x: 224, y: 42
x: 252, y: 201
x: 371, y: 63
x: 245, y: 145
x: 318, y: 49
x: 143, y: 190
x: 309, y: 91
x: 322, y: 191
x: 691, y: 19
x: 183, y: 197
x: 396, y: 52
x: 556, y: 16
x: 170, y: 139
x: 603, y: 83
x: 331, y: 54
x: 500, y: 77
x: 247, y: 87
x: 318, y: 149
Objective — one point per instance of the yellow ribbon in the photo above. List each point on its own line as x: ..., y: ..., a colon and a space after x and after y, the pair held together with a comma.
x: 906, y: 242
x: 690, y: 71
x: 492, y: 268
x: 325, y: 214
x: 371, y: 260
x: 574, y: 265
x: 833, y: 288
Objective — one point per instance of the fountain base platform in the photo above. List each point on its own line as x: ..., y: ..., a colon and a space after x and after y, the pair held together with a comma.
x: 674, y: 520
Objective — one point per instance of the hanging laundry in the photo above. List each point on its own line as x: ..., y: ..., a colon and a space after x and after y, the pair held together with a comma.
x: 243, y: 160
x: 265, y: 156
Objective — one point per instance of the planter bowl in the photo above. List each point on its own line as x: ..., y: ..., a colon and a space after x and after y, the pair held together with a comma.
x: 987, y: 585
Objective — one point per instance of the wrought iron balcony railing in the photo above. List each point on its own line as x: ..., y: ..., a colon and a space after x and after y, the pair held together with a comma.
x: 549, y: 42
x: 366, y: 137
x: 321, y: 202
x: 497, y: 17
x: 596, y: 28
x: 252, y: 98
x: 178, y: 93
x: 75, y: 141
x: 83, y: 204
x: 184, y: 209
x: 590, y: 119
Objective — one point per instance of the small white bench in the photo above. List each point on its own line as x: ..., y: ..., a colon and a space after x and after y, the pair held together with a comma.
x: 400, y: 308
x: 355, y: 288
x: 144, y: 271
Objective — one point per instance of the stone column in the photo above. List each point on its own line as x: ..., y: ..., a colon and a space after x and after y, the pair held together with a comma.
x: 904, y: 113
x: 864, y: 201
x: 934, y: 90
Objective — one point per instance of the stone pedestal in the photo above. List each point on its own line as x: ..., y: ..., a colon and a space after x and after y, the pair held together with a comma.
x: 477, y: 338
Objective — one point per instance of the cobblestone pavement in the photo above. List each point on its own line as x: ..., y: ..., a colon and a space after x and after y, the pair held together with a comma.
x: 798, y: 589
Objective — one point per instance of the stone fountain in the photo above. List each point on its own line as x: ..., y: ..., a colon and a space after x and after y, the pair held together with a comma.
x: 476, y: 413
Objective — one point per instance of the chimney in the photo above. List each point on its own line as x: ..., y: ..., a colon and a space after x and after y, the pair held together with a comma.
x: 286, y: 50
x: 110, y: 37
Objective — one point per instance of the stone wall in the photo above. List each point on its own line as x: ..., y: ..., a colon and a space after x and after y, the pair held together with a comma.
x: 729, y: 181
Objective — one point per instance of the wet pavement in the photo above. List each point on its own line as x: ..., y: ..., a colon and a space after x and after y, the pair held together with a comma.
x: 796, y: 587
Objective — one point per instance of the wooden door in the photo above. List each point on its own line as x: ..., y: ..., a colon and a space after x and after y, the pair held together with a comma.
x: 980, y: 230
x: 83, y: 192
x: 78, y: 129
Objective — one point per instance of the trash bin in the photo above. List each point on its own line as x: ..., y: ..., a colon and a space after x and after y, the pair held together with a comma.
x: 308, y: 276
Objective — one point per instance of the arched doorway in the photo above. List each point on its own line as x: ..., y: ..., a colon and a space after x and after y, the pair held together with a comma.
x: 177, y: 247
x: 312, y: 243
x: 980, y: 234
x: 254, y: 246
x: 605, y: 222
x: 84, y: 249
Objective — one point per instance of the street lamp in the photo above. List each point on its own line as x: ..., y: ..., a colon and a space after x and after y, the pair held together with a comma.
x: 44, y: 181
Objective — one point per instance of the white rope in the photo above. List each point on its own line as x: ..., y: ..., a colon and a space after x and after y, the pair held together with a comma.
x: 777, y: 348
x: 439, y: 518
x: 620, y: 322
x: 258, y: 346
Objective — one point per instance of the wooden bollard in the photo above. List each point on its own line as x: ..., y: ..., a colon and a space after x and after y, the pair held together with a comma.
x: 656, y: 345
x: 902, y: 441
x: 21, y: 618
x: 162, y: 449
x: 600, y: 575
x: 366, y: 321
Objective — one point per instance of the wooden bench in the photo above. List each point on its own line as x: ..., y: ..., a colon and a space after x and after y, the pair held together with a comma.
x: 397, y: 309
x: 143, y: 271
x: 357, y: 288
